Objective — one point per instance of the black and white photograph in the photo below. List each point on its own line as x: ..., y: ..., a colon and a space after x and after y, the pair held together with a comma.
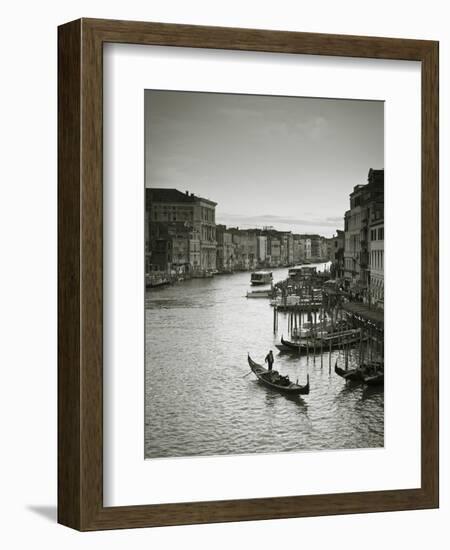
x: 264, y: 274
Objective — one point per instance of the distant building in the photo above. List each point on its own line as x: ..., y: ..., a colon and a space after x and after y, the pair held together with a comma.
x: 316, y: 247
x: 336, y: 254
x: 302, y: 248
x: 324, y: 249
x: 167, y: 212
x: 170, y: 247
x: 225, y: 250
x: 261, y: 249
x: 287, y: 248
x: 298, y: 249
x: 274, y: 249
x: 245, y: 248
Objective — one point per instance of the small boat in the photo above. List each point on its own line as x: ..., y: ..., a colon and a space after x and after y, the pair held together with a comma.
x: 282, y: 348
x: 301, y: 271
x: 261, y: 278
x: 333, y: 340
x: 353, y: 375
x: 371, y: 374
x: 374, y: 379
x: 259, y: 293
x: 273, y: 379
x: 374, y: 374
x: 154, y: 280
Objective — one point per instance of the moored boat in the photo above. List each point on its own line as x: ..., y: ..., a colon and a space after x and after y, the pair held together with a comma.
x: 333, y: 340
x: 259, y: 293
x: 282, y: 348
x: 273, y: 379
x: 353, y: 375
x: 371, y: 374
x: 374, y: 380
x: 374, y: 374
x: 261, y: 278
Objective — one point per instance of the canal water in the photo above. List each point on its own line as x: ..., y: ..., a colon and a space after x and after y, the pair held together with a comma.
x: 198, y: 400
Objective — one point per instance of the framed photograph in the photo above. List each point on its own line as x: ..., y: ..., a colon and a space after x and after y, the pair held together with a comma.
x: 248, y: 234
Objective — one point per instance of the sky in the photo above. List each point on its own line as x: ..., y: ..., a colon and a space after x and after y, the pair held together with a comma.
x: 286, y: 162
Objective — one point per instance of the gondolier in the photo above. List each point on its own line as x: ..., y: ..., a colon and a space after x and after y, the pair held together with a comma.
x: 274, y: 380
x: 269, y: 359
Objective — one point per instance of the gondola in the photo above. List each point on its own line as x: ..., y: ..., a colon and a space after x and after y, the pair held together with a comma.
x: 374, y: 374
x: 371, y: 374
x: 330, y: 340
x: 374, y: 380
x: 282, y: 348
x: 354, y: 375
x: 287, y: 345
x: 274, y: 380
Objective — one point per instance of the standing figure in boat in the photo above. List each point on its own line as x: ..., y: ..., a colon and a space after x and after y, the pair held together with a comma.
x: 269, y: 359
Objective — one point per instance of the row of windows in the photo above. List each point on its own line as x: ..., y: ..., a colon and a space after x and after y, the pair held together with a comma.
x: 208, y: 233
x: 352, y: 243
x: 354, y: 221
x: 172, y: 216
x: 377, y: 259
x: 377, y: 234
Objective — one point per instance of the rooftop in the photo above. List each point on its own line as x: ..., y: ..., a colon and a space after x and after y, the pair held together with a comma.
x: 159, y: 194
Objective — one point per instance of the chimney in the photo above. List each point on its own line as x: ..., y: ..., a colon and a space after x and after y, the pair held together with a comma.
x: 187, y: 193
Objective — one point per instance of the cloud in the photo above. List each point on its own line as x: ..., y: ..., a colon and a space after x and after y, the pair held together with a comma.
x: 241, y: 113
x: 315, y: 128
x: 270, y: 219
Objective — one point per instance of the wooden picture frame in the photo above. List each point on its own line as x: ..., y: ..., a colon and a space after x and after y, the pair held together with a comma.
x: 80, y: 271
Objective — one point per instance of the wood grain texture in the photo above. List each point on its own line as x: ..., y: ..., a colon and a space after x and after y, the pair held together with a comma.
x: 69, y: 245
x: 80, y: 398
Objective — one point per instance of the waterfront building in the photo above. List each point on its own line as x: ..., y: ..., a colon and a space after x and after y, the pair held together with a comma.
x: 225, y: 250
x: 166, y: 207
x: 353, y: 222
x: 195, y: 252
x: 298, y: 249
x: 261, y: 249
x: 324, y: 249
x: 316, y: 247
x: 274, y: 250
x: 287, y: 248
x: 376, y: 255
x: 329, y: 245
x: 170, y: 248
x: 304, y: 247
x: 245, y: 248
x: 363, y: 200
x: 336, y: 254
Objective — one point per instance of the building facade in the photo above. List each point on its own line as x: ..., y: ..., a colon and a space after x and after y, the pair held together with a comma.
x: 287, y: 248
x: 261, y: 249
x: 336, y: 253
x: 274, y: 250
x: 181, y: 232
x: 225, y: 250
x: 376, y: 255
x: 302, y: 248
x: 365, y: 200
